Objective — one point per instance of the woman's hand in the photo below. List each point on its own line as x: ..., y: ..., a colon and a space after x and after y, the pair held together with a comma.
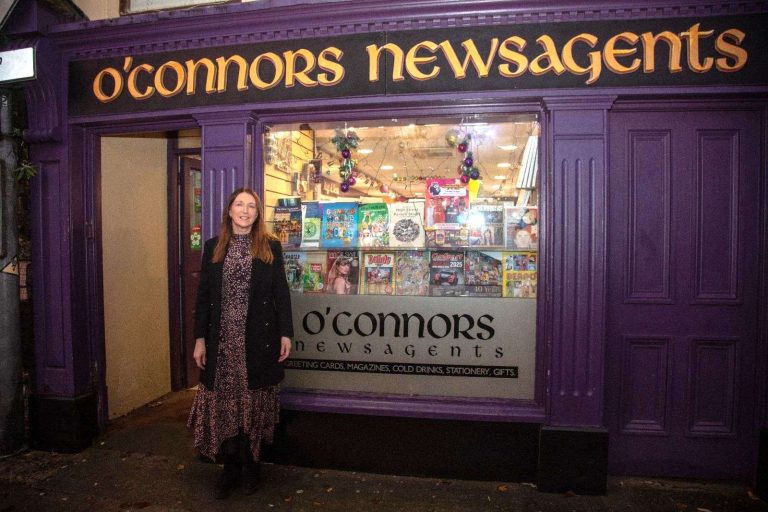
x: 285, y: 348
x: 199, y: 353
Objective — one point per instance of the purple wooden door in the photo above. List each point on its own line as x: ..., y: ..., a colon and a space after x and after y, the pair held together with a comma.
x: 682, y: 292
x: 191, y: 252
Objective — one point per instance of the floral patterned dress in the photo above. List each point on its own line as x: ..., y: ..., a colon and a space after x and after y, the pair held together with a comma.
x: 221, y: 413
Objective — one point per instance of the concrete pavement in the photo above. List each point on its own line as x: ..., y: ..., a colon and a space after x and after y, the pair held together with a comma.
x: 144, y: 462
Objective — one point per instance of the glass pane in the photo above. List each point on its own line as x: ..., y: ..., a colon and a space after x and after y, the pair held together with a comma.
x: 440, y: 207
x: 421, y: 219
x: 195, y: 208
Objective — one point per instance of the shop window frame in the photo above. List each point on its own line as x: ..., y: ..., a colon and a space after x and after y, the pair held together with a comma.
x: 427, y: 406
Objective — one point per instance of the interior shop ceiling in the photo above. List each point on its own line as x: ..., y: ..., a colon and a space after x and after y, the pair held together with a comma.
x: 402, y: 153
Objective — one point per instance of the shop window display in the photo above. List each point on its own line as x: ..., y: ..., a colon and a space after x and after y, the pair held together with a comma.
x: 444, y: 208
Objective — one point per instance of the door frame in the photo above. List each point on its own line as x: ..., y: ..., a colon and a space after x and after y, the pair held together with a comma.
x: 176, y: 291
x: 86, y: 151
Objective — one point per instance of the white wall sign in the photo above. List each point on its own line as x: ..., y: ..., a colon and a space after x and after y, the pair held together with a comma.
x: 428, y: 346
x: 134, y: 6
x: 17, y: 65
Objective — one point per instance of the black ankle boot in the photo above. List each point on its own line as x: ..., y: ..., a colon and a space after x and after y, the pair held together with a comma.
x: 228, y: 480
x: 251, y: 477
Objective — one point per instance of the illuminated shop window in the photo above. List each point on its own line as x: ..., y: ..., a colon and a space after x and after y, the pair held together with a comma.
x: 420, y: 220
x: 407, y: 206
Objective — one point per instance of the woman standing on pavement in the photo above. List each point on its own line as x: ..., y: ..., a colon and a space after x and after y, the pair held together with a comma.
x: 243, y: 333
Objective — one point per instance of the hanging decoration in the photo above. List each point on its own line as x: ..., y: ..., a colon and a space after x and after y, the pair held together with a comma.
x: 345, y: 142
x: 452, y: 137
x: 467, y: 169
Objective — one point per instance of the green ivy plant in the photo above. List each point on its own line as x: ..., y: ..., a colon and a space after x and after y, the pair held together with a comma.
x: 24, y: 172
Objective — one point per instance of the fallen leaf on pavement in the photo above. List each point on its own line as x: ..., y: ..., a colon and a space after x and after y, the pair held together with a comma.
x: 134, y: 505
x: 180, y: 466
x: 503, y: 488
x: 287, y: 499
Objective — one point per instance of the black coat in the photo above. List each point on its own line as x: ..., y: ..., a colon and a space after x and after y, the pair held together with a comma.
x: 269, y: 317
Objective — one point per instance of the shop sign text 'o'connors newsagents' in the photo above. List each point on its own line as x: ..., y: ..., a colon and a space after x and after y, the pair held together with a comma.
x: 414, y: 346
x: 726, y: 50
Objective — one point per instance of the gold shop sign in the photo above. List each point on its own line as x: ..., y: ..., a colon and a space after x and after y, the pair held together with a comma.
x: 628, y: 53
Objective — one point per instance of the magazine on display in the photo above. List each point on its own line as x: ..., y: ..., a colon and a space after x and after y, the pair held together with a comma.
x: 339, y: 224
x: 314, y: 271
x: 483, y: 273
x: 446, y: 211
x: 412, y: 273
x: 446, y: 273
x: 286, y: 225
x: 522, y: 227
x: 373, y: 230
x: 406, y: 224
x: 520, y: 274
x: 486, y: 225
x: 311, y: 224
x: 378, y: 273
x: 342, y: 272
x: 294, y: 262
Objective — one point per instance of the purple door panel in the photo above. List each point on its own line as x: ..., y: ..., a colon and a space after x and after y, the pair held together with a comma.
x: 682, y: 292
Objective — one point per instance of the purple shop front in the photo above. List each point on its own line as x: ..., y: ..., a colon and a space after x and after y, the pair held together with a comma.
x: 617, y: 325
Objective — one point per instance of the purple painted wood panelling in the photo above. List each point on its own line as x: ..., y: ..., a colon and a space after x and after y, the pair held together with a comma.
x: 713, y: 342
x: 52, y: 195
x: 218, y: 183
x: 650, y: 217
x: 646, y: 385
x: 50, y: 266
x: 226, y: 162
x: 472, y: 409
x: 713, y: 398
x: 56, y: 349
x: 578, y: 192
x: 716, y: 278
x: 251, y: 22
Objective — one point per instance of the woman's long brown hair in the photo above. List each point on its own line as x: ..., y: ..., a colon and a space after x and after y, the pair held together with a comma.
x: 260, y: 237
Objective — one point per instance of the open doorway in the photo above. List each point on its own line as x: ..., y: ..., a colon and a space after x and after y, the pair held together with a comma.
x: 149, y: 195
